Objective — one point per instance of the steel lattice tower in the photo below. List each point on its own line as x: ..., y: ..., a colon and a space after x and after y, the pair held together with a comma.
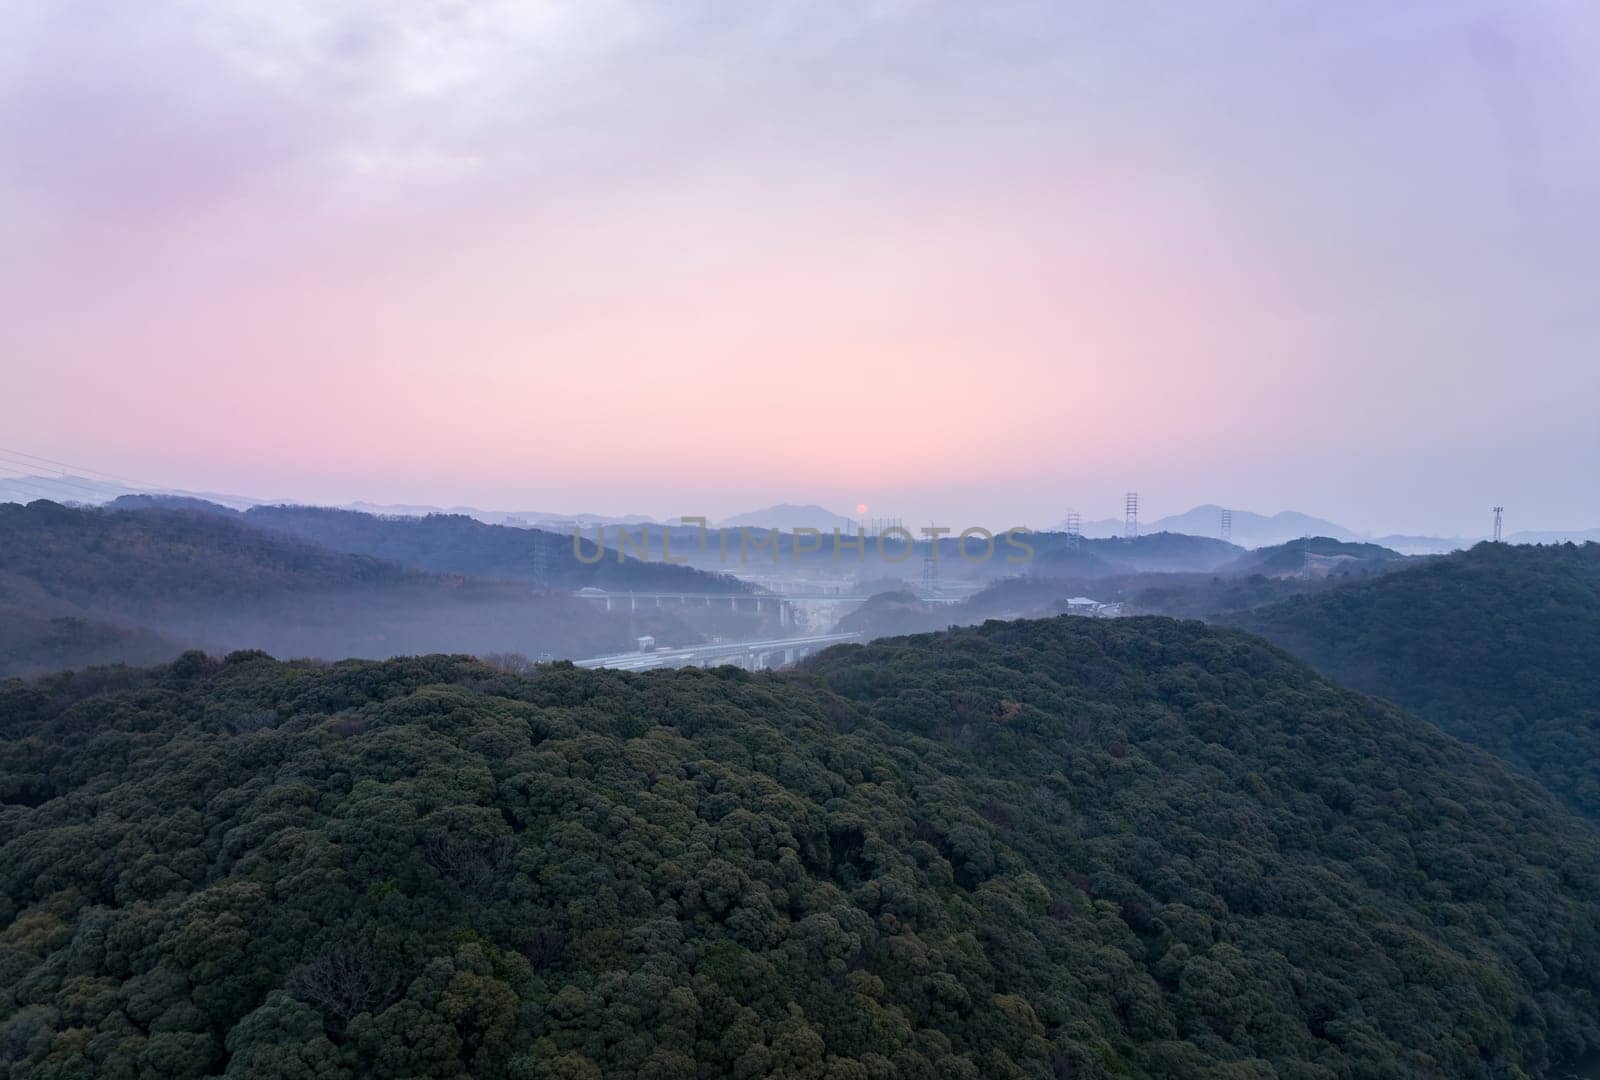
x: 1227, y: 526
x: 541, y: 559
x: 1130, y: 509
x: 1497, y: 512
x: 1074, y: 529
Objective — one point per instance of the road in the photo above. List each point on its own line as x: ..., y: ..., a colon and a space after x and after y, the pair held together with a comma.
x: 753, y: 652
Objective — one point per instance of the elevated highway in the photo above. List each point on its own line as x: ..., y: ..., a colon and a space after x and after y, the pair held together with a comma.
x: 754, y: 655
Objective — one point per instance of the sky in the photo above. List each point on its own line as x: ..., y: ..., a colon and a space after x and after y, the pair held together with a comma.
x: 968, y: 263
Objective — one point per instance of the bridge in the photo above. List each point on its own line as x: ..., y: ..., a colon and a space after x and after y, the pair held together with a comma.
x: 784, y: 600
x: 755, y: 655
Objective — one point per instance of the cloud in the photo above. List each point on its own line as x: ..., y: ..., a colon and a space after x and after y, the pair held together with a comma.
x: 1237, y: 223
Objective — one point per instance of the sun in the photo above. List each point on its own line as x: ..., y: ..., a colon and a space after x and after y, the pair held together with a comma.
x: 861, y: 508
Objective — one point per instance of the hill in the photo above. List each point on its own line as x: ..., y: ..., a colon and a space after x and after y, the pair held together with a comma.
x: 897, y: 611
x: 1069, y: 848
x: 64, y: 487
x: 1251, y: 529
x: 1499, y: 645
x: 786, y: 517
x: 1327, y: 556
x: 39, y: 634
x: 1154, y: 552
x: 457, y: 544
x: 1164, y: 552
x: 156, y: 576
x: 1556, y: 536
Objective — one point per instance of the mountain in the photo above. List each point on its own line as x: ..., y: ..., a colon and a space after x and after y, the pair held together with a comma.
x: 787, y: 517
x: 1068, y: 848
x: 1056, y: 556
x: 1422, y: 545
x: 1100, y: 528
x: 521, y: 518
x: 457, y: 544
x: 1322, y: 555
x: 66, y: 488
x: 897, y: 611
x: 1251, y: 529
x: 159, y: 576
x: 1556, y: 536
x: 1159, y: 550
x: 143, y: 501
x: 40, y: 633
x: 1499, y: 645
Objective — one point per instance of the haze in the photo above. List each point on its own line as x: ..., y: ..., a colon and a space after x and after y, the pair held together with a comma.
x: 964, y: 262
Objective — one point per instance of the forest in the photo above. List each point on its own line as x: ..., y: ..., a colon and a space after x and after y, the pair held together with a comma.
x: 81, y: 586
x: 457, y: 544
x: 1055, y: 848
x: 1499, y: 645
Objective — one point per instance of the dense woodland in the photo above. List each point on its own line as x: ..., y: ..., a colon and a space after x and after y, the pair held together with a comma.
x: 1499, y: 645
x: 1063, y: 848
x: 457, y: 544
x: 1162, y: 552
x: 84, y: 586
x: 1317, y: 555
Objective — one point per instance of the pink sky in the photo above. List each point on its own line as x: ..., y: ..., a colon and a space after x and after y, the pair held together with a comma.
x: 666, y: 259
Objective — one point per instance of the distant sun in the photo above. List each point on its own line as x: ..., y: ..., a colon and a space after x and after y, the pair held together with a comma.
x: 861, y: 508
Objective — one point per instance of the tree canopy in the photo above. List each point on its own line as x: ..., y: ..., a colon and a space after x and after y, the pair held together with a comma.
x: 1063, y: 848
x: 1499, y: 645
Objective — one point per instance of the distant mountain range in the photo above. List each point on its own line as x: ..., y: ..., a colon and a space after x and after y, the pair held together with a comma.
x: 84, y: 490
x: 788, y: 517
x: 1250, y: 529
x: 524, y: 518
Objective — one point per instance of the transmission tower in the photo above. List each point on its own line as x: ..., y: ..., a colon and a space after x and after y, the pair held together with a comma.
x: 1497, y: 512
x: 930, y: 564
x: 1074, y: 529
x: 1130, y: 507
x: 1227, y: 526
x: 541, y: 559
x: 1305, y: 556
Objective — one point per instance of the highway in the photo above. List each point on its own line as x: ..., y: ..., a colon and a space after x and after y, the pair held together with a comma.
x: 808, y: 598
x: 752, y: 652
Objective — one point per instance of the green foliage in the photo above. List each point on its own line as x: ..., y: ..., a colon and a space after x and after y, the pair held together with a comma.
x: 1327, y: 555
x: 1070, y: 848
x: 83, y: 586
x: 457, y: 544
x: 1499, y: 645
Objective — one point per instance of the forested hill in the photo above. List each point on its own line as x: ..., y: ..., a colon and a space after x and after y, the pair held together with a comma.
x: 1061, y: 555
x: 456, y: 544
x: 1065, y: 848
x: 81, y: 586
x: 1321, y: 554
x: 166, y: 558
x: 1499, y: 644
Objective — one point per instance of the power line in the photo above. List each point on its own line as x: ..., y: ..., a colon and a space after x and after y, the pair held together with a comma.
x: 64, y: 479
x: 79, y: 469
x: 23, y: 484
